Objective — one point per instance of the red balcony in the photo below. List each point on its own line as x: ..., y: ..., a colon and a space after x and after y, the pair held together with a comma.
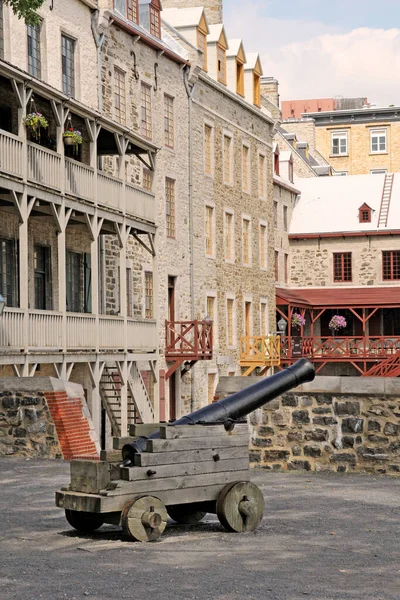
x: 186, y: 342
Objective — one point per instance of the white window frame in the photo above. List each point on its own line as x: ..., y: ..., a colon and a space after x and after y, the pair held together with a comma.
x: 247, y: 190
x: 229, y: 296
x: 340, y: 135
x: 263, y: 224
x: 264, y: 302
x: 212, y: 149
x: 248, y: 300
x: 260, y: 195
x: 250, y: 249
x: 227, y: 134
x: 213, y: 294
x: 378, y: 133
x: 213, y: 228
x: 228, y: 211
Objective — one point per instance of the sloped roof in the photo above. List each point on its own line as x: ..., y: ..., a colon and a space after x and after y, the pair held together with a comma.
x: 217, y: 34
x: 236, y: 48
x: 339, y: 297
x: 253, y: 62
x: 184, y: 17
x: 331, y: 204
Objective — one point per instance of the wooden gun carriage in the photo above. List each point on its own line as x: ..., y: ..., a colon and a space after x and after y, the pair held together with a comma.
x: 198, y: 464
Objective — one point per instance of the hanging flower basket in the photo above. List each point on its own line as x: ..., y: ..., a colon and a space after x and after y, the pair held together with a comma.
x: 337, y: 322
x: 72, y: 137
x: 297, y: 320
x: 34, y: 122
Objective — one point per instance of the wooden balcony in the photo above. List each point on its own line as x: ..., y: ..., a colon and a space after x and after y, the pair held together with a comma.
x: 186, y: 342
x: 260, y: 352
x: 39, y: 330
x: 55, y: 172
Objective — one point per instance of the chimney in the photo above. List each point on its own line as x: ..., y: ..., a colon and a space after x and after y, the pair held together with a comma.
x: 270, y: 89
x: 213, y: 8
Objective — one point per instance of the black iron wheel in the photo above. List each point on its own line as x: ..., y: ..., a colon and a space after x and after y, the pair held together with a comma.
x: 83, y: 521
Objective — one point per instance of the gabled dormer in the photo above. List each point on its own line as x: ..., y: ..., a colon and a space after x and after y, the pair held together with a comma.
x: 364, y: 213
x: 235, y: 61
x: 128, y: 9
x: 217, y: 45
x: 149, y: 16
x: 275, y: 157
x: 192, y: 24
x: 252, y: 74
x: 286, y: 165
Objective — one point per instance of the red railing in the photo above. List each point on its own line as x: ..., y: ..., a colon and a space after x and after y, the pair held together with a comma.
x: 338, y: 348
x: 191, y: 340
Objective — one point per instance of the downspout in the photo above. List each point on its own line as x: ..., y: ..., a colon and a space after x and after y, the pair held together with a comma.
x: 189, y: 91
x: 99, y: 39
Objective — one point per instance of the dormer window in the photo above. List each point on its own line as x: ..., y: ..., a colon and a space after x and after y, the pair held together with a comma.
x: 276, y: 161
x: 239, y: 77
x: 202, y: 45
x: 364, y: 214
x: 221, y: 64
x: 128, y: 9
x: 149, y: 16
x: 256, y: 89
x: 290, y: 170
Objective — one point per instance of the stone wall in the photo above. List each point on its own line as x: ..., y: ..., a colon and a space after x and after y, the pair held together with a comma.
x: 332, y: 424
x: 304, y: 130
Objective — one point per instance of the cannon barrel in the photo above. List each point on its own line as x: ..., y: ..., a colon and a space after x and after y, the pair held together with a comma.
x: 238, y: 405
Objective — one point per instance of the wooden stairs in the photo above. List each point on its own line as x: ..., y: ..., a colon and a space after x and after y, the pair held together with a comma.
x: 386, y: 368
x: 385, y: 202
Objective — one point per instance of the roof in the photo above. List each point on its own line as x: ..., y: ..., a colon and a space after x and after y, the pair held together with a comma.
x: 285, y: 155
x: 331, y: 204
x: 216, y: 33
x: 183, y: 17
x: 236, y: 48
x: 339, y: 297
x: 253, y: 62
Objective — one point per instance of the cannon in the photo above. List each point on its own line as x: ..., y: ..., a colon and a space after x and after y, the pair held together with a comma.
x: 196, y: 465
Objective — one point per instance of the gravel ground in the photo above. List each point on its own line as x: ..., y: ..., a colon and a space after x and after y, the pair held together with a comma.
x: 323, y: 537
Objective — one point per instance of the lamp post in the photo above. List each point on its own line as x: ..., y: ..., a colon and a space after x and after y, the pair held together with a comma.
x: 282, y: 324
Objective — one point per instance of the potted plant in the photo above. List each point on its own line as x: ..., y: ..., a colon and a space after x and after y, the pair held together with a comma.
x: 72, y: 137
x: 337, y: 322
x: 34, y: 122
x: 297, y: 320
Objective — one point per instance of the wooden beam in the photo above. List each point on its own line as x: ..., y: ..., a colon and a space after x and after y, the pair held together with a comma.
x: 90, y: 128
x: 151, y: 240
x: 153, y: 364
x: 137, y: 238
x: 69, y: 370
x: 31, y: 204
x: 89, y: 220
x: 32, y: 370
x: 91, y: 374
x: 28, y: 95
x: 56, y: 217
x: 17, y: 93
x: 56, y: 113
x: 17, y: 205
x: 16, y: 370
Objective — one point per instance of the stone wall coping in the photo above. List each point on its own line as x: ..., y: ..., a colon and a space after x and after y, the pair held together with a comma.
x: 40, y: 384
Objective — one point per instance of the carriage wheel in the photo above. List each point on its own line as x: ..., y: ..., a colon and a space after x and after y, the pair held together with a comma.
x: 83, y: 521
x: 240, y: 506
x: 144, y: 518
x: 187, y: 514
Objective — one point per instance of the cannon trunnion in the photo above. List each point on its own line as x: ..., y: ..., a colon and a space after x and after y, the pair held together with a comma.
x: 184, y: 470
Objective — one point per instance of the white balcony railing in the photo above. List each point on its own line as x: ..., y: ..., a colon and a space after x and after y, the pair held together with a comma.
x: 80, y: 179
x: 11, y: 148
x: 44, y: 166
x: 38, y: 330
x: 140, y: 203
x: 110, y: 192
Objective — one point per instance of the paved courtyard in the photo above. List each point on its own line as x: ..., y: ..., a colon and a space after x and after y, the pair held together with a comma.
x: 323, y: 537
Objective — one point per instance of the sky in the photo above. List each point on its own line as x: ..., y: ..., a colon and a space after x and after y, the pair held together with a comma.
x: 323, y: 48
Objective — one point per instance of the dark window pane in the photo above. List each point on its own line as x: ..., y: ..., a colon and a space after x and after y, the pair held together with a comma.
x: 68, y: 65
x: 1, y: 30
x: 8, y: 272
x: 34, y: 60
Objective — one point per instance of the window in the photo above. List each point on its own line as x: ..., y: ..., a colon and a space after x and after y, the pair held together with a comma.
x: 286, y: 266
x: 246, y: 168
x: 263, y: 318
x: 146, y: 179
x: 129, y: 293
x: 285, y: 220
x: 1, y: 30
x: 262, y: 176
x: 364, y: 214
x: 263, y: 246
x: 256, y: 89
x: 209, y: 219
x: 342, y: 266
x: 230, y: 305
x: 246, y: 238
x: 378, y: 140
x: 276, y: 161
x: 227, y: 159
x: 41, y: 259
x: 391, y: 264
x: 202, y: 45
x: 170, y: 206
x: 34, y: 60
x: 68, y: 65
x: 119, y: 96
x: 275, y: 215
x: 148, y: 295
x: 340, y: 173
x: 276, y: 265
x: 146, y: 125
x: 208, y: 149
x: 221, y: 64
x: 239, y: 77
x: 9, y: 271
x: 339, y: 142
x: 79, y: 281
x: 378, y: 171
x: 127, y: 8
x: 228, y: 230
x: 149, y: 16
x: 290, y: 170
x: 211, y: 387
x: 168, y: 121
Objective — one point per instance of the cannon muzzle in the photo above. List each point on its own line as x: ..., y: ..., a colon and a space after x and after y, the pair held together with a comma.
x: 238, y: 405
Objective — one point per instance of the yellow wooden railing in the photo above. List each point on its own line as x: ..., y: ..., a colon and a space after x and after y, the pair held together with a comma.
x: 260, y: 351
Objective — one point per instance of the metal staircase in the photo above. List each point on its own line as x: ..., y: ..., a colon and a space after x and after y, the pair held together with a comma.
x: 140, y: 408
x: 385, y: 202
